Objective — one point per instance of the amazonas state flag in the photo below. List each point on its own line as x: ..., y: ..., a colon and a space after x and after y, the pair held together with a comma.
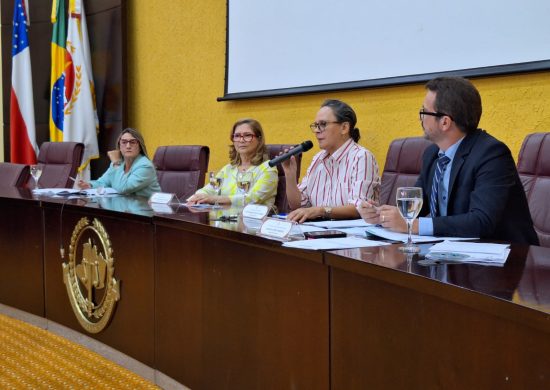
x: 23, y: 148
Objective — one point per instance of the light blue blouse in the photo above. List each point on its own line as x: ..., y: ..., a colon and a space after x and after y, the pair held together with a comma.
x: 140, y: 180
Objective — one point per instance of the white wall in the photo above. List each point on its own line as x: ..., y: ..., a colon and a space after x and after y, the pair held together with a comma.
x: 299, y: 43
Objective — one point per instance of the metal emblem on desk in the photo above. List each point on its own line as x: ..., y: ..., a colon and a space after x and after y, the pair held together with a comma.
x: 93, y: 291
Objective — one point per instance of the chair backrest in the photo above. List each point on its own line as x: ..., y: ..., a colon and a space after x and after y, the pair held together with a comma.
x: 14, y: 175
x: 281, y: 201
x: 181, y: 168
x: 403, y: 163
x: 534, y: 172
x: 59, y: 162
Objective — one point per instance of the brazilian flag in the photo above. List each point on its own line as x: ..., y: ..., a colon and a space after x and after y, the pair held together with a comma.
x: 57, y: 78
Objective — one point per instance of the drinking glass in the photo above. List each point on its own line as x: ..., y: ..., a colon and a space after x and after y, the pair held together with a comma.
x: 36, y: 172
x: 409, y: 202
x: 216, y: 183
x: 244, y: 181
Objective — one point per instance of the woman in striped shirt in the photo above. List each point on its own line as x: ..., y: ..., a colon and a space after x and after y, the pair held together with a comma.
x: 247, y: 153
x: 341, y: 175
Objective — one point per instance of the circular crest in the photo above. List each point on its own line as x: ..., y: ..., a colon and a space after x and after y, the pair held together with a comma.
x: 88, y: 276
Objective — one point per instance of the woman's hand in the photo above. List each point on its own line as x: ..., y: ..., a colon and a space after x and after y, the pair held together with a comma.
x: 302, y: 214
x: 290, y: 166
x: 369, y: 211
x: 201, y: 198
x: 83, y: 185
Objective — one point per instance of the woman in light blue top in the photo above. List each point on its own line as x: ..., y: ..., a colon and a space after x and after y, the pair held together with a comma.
x: 131, y: 172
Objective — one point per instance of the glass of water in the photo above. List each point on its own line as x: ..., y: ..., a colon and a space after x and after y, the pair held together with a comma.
x: 409, y: 203
x: 36, y: 172
x: 244, y: 181
x: 216, y: 183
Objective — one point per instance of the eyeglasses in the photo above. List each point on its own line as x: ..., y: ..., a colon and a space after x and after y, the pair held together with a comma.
x: 246, y: 137
x: 322, y: 126
x: 132, y: 142
x: 422, y: 112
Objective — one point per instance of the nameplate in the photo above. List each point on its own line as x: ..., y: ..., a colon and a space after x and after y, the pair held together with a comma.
x: 255, y: 211
x: 276, y: 228
x: 162, y: 198
x: 161, y: 208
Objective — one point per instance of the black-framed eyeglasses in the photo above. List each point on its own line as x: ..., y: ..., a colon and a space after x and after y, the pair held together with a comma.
x: 423, y: 112
x: 132, y: 142
x: 246, y: 137
x: 321, y: 126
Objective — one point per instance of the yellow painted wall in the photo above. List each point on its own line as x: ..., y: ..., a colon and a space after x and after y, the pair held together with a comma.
x: 1, y: 105
x: 176, y: 71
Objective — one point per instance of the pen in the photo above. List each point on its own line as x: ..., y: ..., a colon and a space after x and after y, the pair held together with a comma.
x: 72, y: 178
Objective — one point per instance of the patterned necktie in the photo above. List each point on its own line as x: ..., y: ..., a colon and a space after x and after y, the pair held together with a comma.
x: 442, y: 162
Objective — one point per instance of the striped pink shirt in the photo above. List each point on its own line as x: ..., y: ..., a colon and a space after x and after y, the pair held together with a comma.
x: 348, y: 175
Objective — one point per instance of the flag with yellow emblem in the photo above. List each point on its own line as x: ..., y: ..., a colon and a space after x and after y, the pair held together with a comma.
x: 80, y: 123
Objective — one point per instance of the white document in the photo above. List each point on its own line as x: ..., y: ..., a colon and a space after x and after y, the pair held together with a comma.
x: 342, y: 223
x: 54, y: 191
x: 333, y: 243
x: 403, y: 237
x: 93, y: 192
x: 469, y: 252
x: 71, y: 192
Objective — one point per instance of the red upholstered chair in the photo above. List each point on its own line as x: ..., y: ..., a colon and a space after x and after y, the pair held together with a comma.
x: 181, y: 168
x: 281, y: 201
x: 534, y: 172
x: 403, y: 163
x: 59, y: 161
x: 14, y: 175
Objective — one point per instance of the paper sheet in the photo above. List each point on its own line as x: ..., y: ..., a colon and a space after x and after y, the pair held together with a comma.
x: 333, y: 243
x: 402, y: 237
x: 342, y: 223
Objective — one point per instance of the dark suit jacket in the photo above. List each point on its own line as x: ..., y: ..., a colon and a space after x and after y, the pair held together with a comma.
x: 486, y: 197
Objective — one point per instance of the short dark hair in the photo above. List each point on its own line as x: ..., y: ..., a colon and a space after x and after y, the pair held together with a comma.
x: 261, y: 154
x: 458, y: 98
x: 344, y: 113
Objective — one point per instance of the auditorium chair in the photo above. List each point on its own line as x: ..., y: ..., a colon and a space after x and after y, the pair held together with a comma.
x: 181, y: 168
x: 59, y: 162
x: 281, y: 201
x: 402, y: 167
x: 534, y: 172
x: 14, y: 175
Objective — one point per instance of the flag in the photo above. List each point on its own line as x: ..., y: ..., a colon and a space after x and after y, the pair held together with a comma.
x: 57, y: 77
x: 80, y: 123
x: 22, y: 128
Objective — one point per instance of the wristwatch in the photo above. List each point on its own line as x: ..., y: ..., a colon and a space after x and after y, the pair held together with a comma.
x: 328, y: 212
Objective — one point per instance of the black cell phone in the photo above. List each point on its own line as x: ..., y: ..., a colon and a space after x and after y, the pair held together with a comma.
x: 324, y: 234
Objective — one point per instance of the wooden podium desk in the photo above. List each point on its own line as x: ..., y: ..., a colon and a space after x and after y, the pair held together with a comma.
x: 200, y: 300
x: 398, y: 324
x: 238, y: 311
x: 212, y: 305
x: 21, y: 248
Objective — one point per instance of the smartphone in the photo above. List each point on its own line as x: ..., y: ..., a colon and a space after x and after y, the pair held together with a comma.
x: 324, y: 234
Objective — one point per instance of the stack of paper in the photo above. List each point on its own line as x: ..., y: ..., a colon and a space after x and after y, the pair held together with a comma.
x: 469, y: 252
x: 403, y: 237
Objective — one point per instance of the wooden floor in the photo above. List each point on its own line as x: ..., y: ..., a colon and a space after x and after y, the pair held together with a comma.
x: 33, y: 358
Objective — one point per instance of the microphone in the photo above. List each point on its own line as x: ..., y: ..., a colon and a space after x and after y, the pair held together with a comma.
x: 303, y: 147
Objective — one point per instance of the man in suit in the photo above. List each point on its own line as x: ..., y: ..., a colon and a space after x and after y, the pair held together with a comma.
x: 469, y: 180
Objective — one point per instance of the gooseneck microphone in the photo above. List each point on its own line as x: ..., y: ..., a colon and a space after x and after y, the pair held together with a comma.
x: 303, y: 147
